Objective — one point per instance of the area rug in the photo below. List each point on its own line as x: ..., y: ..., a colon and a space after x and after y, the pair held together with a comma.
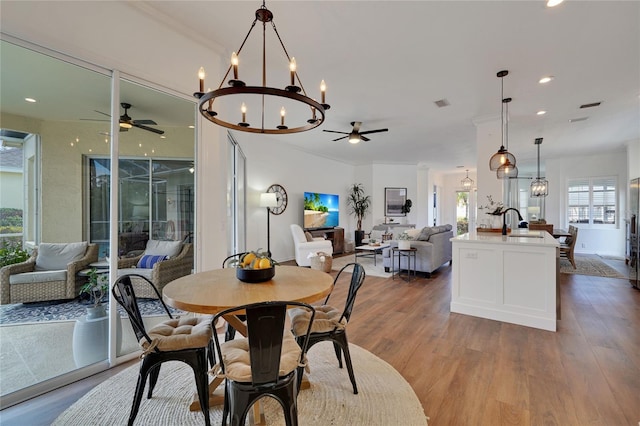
x: 589, y: 266
x: 384, y: 397
x: 24, y: 313
x: 376, y: 270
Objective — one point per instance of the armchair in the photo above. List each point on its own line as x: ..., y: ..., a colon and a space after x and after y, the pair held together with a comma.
x: 161, y: 263
x: 303, y: 247
x: 49, y: 274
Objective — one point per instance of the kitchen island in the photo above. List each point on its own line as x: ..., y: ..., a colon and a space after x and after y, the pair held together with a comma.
x: 511, y: 278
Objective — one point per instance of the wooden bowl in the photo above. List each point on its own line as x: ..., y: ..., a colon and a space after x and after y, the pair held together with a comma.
x: 255, y: 275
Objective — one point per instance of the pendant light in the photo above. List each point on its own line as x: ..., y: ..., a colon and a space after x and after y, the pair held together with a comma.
x: 467, y: 182
x: 539, y: 187
x: 503, y: 155
x: 508, y: 169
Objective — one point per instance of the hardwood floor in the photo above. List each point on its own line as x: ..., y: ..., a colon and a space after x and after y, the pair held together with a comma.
x: 472, y: 371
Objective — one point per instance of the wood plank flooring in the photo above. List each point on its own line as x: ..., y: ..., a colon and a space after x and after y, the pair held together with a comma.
x: 472, y: 371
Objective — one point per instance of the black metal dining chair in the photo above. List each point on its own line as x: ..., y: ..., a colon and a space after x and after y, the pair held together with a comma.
x: 267, y: 362
x: 331, y: 323
x: 231, y: 261
x: 185, y: 339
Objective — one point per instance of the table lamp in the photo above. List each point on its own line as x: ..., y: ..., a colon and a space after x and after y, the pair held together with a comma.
x: 268, y: 200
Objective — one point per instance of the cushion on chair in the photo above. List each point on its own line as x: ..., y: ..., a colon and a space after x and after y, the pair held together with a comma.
x: 180, y: 333
x: 56, y: 256
x: 235, y: 357
x: 327, y: 319
x: 38, y: 277
x: 309, y: 236
x: 148, y: 260
x: 147, y: 273
x: 165, y: 248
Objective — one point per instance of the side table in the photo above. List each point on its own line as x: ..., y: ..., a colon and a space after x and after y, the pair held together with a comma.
x: 409, y: 254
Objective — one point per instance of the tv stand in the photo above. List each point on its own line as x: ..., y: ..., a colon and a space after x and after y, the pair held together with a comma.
x: 335, y: 235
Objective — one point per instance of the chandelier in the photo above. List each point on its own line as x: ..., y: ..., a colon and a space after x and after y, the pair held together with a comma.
x: 467, y: 182
x: 262, y: 97
x: 539, y: 187
x: 503, y: 162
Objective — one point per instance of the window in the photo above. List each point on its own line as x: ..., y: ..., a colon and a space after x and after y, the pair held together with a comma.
x: 592, y: 200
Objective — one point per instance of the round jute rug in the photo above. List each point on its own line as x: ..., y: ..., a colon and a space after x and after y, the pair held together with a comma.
x: 384, y: 398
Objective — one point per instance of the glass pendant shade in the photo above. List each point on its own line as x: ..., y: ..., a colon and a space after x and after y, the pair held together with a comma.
x: 501, y: 157
x: 539, y: 188
x: 507, y: 170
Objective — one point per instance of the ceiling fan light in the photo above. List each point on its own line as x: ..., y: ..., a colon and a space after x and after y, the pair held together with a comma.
x: 354, y: 138
x: 125, y: 125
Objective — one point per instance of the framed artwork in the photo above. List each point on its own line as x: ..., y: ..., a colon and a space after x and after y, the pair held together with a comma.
x: 394, y: 199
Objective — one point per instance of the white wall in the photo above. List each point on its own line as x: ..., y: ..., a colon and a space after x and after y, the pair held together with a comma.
x: 595, y: 238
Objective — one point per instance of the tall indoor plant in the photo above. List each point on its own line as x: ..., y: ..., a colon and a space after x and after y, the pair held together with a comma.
x: 359, y: 205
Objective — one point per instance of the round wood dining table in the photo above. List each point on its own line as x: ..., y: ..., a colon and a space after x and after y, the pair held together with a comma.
x: 212, y: 291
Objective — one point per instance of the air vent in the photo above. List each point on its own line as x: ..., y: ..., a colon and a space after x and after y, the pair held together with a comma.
x: 591, y: 105
x: 575, y: 120
x: 442, y: 103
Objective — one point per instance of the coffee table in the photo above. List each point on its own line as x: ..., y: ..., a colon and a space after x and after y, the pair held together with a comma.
x: 370, y: 251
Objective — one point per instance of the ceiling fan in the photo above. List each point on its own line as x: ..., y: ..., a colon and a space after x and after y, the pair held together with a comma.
x: 356, y: 135
x: 127, y: 122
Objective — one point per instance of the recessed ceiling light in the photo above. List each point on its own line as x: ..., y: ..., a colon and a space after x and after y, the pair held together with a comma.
x: 163, y: 137
x: 552, y: 3
x: 541, y: 112
x: 545, y: 79
x: 30, y: 100
x: 192, y: 127
x: 574, y: 120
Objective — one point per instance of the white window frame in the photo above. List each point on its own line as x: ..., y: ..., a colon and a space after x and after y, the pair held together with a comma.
x: 592, y: 203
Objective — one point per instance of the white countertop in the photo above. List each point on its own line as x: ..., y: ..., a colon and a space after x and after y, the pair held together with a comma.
x: 515, y: 237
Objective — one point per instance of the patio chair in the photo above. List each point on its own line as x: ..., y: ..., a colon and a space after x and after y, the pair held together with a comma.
x: 267, y: 362
x: 330, y: 323
x: 51, y: 273
x: 185, y: 339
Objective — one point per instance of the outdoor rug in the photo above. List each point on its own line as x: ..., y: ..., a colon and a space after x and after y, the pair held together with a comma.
x: 589, y: 266
x: 20, y: 313
x: 384, y: 396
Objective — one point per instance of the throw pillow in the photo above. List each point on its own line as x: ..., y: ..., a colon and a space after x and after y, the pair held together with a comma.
x: 425, y: 233
x: 147, y: 261
x: 413, y: 233
x: 164, y: 248
x: 309, y: 236
x: 56, y: 256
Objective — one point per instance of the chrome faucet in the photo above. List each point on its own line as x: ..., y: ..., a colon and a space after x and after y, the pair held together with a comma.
x: 504, y: 219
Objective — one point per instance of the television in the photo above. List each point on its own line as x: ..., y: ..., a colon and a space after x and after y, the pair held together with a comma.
x: 321, y: 211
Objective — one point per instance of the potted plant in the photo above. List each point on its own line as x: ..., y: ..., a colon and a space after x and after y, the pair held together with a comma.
x: 359, y: 205
x: 404, y: 242
x: 96, y: 288
x: 11, y: 253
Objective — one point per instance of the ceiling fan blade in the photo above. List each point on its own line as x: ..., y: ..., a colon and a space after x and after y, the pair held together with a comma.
x: 344, y: 137
x: 374, y: 131
x: 356, y: 126
x: 93, y: 119
x: 103, y: 113
x: 150, y: 129
x: 364, y: 138
x: 145, y: 122
x: 335, y: 131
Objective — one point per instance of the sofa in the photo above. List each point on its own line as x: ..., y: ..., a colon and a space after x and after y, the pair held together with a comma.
x: 433, y: 246
x: 51, y: 273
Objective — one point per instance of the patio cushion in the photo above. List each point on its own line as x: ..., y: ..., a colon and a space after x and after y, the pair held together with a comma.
x: 38, y: 277
x: 165, y: 248
x: 180, y: 333
x: 147, y: 273
x: 56, y: 256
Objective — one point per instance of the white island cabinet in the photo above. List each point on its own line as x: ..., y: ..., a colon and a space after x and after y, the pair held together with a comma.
x: 511, y: 278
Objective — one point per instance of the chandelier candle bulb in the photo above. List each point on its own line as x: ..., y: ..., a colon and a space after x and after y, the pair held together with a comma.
x: 282, y: 114
x: 234, y: 62
x: 323, y: 90
x: 201, y: 76
x: 292, y: 67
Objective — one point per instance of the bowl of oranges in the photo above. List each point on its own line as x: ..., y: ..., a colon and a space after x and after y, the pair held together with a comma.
x: 255, y: 267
